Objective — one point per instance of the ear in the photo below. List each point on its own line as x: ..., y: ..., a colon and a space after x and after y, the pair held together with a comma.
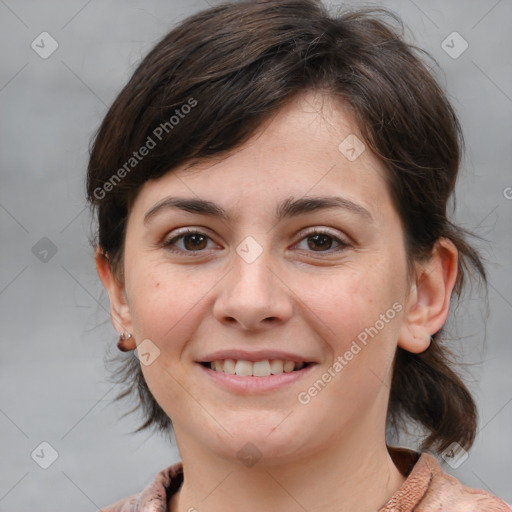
x: 119, y: 308
x: 428, y: 303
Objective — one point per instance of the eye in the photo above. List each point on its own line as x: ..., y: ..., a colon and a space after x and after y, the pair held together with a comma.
x: 193, y: 241
x: 189, y: 240
x: 322, y: 241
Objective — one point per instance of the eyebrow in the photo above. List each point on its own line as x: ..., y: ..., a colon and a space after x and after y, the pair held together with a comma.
x: 290, y: 207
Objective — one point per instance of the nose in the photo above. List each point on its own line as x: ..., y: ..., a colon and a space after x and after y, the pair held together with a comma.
x: 253, y: 297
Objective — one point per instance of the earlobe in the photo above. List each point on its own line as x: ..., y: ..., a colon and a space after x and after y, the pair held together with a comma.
x: 119, y: 308
x: 428, y: 303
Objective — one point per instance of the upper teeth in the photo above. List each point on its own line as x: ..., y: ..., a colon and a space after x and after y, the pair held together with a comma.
x: 256, y: 369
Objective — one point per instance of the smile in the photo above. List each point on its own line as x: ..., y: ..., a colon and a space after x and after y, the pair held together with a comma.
x: 255, y: 377
x: 262, y: 368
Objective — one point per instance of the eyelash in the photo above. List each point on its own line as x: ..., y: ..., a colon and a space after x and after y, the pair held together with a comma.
x: 170, y: 244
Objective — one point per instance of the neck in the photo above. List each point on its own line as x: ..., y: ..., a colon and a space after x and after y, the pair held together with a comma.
x: 349, y: 474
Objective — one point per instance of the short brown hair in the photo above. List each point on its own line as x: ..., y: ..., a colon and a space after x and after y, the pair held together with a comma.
x: 237, y: 64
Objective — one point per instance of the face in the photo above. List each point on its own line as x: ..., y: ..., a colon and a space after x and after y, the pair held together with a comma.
x: 274, y: 278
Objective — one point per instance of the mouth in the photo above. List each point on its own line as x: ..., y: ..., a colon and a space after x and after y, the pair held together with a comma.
x: 255, y: 377
x: 263, y: 368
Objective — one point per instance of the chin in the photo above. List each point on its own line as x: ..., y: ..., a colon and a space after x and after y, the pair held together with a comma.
x: 264, y: 443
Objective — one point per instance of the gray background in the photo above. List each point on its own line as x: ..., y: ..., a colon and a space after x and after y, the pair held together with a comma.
x: 55, y: 328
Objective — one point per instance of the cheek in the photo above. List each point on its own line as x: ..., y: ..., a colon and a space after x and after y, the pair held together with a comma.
x: 352, y: 301
x: 361, y: 311
x: 160, y: 301
x: 166, y: 307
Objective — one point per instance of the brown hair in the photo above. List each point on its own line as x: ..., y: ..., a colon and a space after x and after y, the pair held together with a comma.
x: 208, y: 85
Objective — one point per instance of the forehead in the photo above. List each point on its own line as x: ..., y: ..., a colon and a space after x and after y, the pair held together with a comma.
x: 312, y: 146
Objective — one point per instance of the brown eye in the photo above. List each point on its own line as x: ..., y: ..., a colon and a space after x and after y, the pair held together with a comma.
x: 319, y: 242
x: 188, y: 242
x: 322, y: 242
x: 194, y: 242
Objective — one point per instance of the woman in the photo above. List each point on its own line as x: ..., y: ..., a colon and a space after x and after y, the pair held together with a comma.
x: 271, y: 190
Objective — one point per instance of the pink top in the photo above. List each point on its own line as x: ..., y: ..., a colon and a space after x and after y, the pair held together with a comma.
x: 426, y: 489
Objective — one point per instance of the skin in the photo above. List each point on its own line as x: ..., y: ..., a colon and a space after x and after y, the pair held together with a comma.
x: 298, y: 296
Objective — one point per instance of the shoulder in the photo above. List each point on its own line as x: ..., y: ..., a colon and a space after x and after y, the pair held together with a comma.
x: 155, y: 495
x: 447, y: 493
x: 125, y: 505
x: 429, y: 489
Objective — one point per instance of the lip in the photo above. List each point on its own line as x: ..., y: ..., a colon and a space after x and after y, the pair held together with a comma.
x: 259, y: 355
x: 255, y: 385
